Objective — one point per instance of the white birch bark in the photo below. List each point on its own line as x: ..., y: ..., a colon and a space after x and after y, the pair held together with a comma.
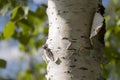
x: 72, y: 52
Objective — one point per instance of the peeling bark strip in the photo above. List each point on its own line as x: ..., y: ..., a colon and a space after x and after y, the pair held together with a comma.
x: 98, y: 25
x: 74, y: 25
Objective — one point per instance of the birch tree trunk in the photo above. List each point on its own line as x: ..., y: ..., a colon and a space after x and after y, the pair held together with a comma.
x: 75, y: 42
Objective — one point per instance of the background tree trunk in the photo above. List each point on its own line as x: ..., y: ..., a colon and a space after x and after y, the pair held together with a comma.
x: 70, y: 52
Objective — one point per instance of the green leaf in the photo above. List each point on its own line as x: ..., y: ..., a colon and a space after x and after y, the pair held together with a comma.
x: 17, y: 14
x: 2, y: 63
x: 15, y: 10
x: 115, y: 1
x: 8, y: 29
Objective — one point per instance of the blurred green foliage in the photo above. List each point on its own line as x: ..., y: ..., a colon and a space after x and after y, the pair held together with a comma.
x: 112, y: 41
x: 29, y: 28
x: 38, y: 70
x: 24, y: 25
x: 2, y: 63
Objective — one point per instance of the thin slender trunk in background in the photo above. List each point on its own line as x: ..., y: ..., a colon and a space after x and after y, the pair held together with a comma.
x: 75, y: 42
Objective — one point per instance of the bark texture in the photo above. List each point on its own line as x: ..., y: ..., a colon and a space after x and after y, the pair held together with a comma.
x: 70, y: 52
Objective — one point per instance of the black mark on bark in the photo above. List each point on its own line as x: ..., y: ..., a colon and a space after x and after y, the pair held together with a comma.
x: 83, y: 68
x: 50, y: 39
x: 57, y: 27
x: 65, y: 38
x: 85, y: 24
x: 65, y: 11
x: 75, y: 60
x: 67, y: 72
x: 67, y: 22
x: 82, y: 36
x: 58, y: 61
x: 59, y: 47
x: 63, y: 57
x: 72, y: 66
x: 74, y: 39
